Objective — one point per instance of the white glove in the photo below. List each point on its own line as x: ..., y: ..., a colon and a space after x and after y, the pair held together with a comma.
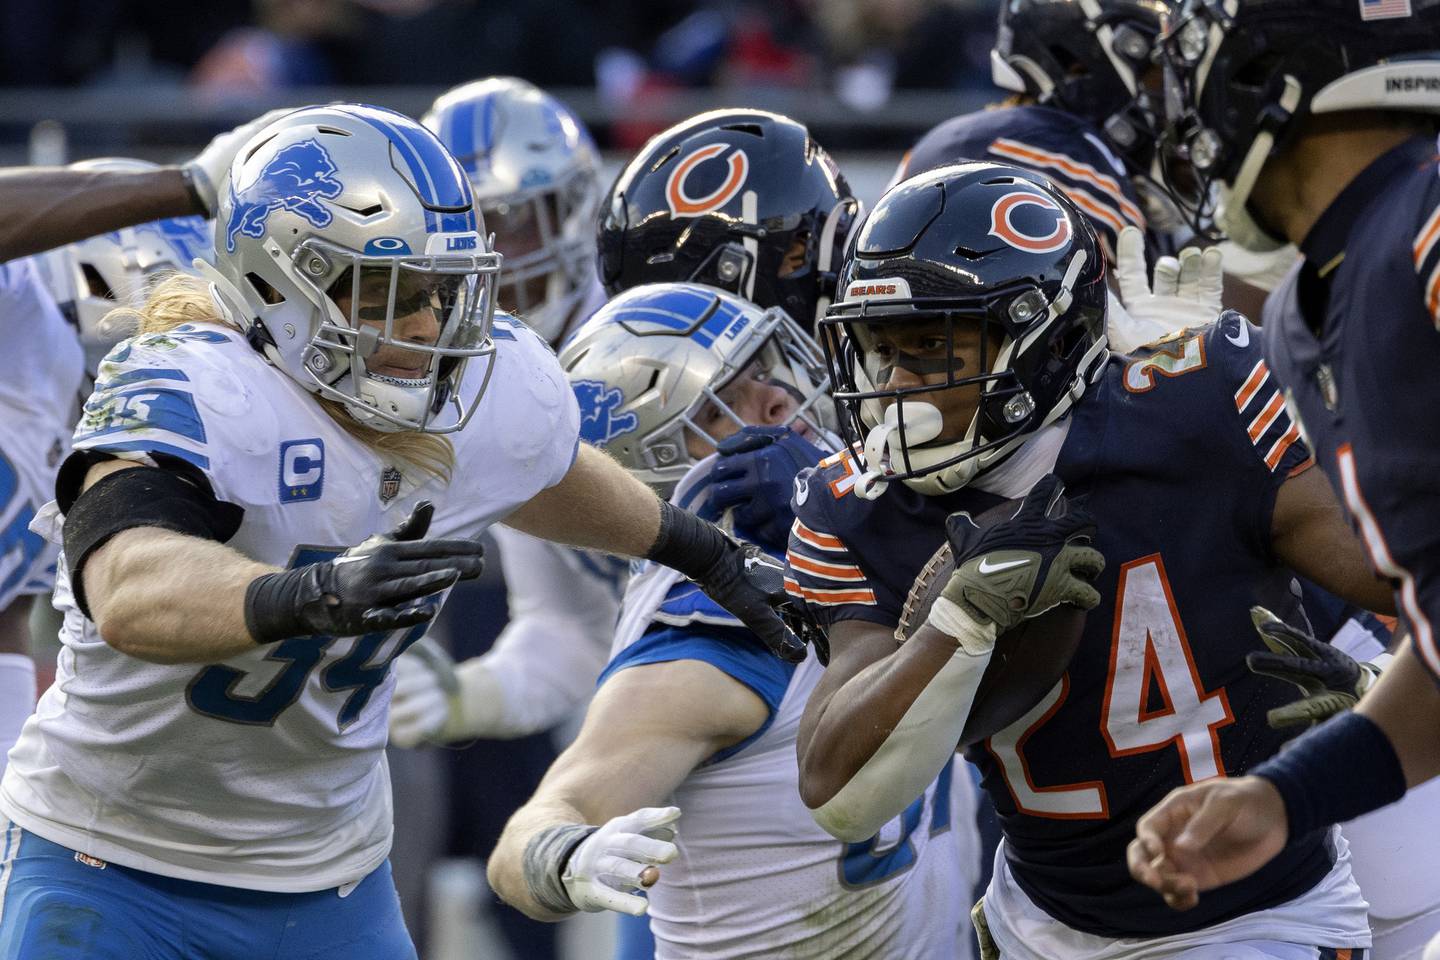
x: 617, y: 857
x: 436, y: 701
x: 209, y: 168
x: 1261, y: 270
x: 1186, y: 292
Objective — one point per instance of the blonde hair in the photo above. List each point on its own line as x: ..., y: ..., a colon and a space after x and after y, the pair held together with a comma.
x: 180, y: 298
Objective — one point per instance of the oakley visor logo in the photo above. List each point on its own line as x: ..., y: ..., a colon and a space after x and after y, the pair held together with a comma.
x: 1002, y: 225
x: 679, y: 199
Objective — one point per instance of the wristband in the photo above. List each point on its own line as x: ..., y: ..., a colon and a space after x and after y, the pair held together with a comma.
x: 271, y: 604
x: 543, y: 864
x: 947, y: 616
x: 686, y: 543
x: 1304, y: 773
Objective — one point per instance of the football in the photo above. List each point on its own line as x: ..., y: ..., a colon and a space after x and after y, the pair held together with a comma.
x: 1028, y: 660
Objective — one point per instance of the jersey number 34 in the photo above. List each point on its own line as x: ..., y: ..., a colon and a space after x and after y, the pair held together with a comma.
x: 219, y: 691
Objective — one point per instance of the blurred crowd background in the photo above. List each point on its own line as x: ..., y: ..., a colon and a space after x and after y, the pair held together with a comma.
x: 631, y: 64
x: 150, y: 79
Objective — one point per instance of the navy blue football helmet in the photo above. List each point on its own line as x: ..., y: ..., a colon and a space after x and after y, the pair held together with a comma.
x: 969, y: 244
x: 1089, y: 58
x: 743, y: 200
x: 1241, y: 75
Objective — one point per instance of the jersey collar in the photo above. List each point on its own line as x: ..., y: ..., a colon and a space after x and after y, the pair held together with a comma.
x: 1024, y: 468
x: 1326, y: 240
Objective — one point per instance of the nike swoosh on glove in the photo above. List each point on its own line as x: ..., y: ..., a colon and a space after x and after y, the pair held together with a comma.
x: 1024, y: 566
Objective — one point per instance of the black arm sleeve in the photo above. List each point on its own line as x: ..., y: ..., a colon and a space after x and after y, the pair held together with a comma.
x: 172, y: 496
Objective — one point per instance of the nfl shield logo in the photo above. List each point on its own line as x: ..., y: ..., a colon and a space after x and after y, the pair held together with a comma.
x: 389, y: 484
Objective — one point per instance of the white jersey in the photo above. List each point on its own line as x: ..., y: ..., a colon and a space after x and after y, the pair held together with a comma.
x: 39, y: 399
x: 755, y: 875
x: 266, y: 771
x: 563, y: 607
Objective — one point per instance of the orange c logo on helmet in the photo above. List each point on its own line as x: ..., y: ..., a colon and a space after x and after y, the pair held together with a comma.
x: 1000, y: 225
x: 682, y: 204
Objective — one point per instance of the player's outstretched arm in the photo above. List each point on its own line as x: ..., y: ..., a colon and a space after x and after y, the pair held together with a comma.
x: 596, y: 830
x: 598, y: 505
x: 48, y: 207
x: 149, y: 567
x: 1219, y: 831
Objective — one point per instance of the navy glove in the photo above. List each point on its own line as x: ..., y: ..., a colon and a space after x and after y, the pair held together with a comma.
x: 755, y: 475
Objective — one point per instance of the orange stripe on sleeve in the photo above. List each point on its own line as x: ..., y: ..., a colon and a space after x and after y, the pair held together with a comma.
x: 1425, y: 239
x: 1432, y: 295
x: 1096, y: 209
x: 1272, y: 459
x: 821, y: 541
x: 1267, y: 415
x: 835, y: 598
x: 1258, y: 375
x: 829, y: 571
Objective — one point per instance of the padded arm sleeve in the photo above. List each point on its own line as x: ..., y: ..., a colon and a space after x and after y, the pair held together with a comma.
x: 172, y: 496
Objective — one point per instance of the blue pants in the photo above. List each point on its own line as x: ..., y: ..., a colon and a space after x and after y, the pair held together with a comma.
x: 54, y: 907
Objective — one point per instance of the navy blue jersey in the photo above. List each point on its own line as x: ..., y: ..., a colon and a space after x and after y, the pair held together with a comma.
x: 1354, y: 336
x: 1179, y: 451
x: 1057, y: 145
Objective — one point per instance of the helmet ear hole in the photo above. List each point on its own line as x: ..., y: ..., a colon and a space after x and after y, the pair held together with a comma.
x: 96, y: 283
x: 264, y: 289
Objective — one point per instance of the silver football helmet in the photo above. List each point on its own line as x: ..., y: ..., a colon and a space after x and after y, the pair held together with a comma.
x: 90, y: 278
x: 658, y: 362
x: 348, y: 248
x: 536, y: 176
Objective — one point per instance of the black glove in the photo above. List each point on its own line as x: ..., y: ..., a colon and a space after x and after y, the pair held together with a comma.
x: 755, y: 476
x: 372, y: 587
x: 1024, y: 566
x: 739, y: 576
x: 1330, y: 679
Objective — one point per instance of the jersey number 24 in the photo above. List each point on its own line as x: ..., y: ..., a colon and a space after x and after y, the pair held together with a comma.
x: 1148, y: 651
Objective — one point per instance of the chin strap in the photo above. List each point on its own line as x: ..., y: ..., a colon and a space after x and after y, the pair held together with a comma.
x: 827, y: 246
x: 1231, y: 214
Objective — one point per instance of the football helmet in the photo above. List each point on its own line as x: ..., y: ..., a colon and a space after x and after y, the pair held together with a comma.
x: 536, y: 176
x: 743, y: 200
x: 91, y: 277
x: 970, y: 244
x: 348, y: 248
x: 1089, y: 58
x: 1240, y: 75
x: 1055, y: 144
x: 654, y: 363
